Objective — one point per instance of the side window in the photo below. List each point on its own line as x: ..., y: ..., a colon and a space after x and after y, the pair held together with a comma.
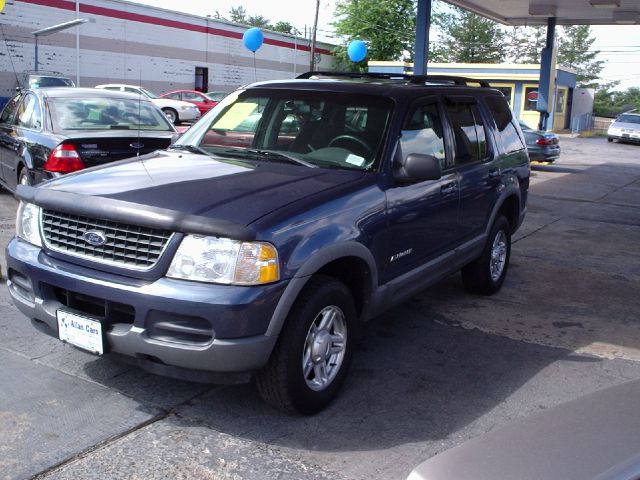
x: 422, y: 133
x: 508, y: 137
x: 10, y: 109
x: 29, y: 113
x: 173, y: 96
x: 191, y: 97
x: 468, y: 131
x: 131, y: 90
x: 113, y: 89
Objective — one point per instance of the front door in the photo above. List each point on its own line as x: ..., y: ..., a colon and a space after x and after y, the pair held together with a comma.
x: 422, y: 216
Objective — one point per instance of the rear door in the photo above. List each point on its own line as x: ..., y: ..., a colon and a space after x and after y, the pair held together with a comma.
x: 475, y: 162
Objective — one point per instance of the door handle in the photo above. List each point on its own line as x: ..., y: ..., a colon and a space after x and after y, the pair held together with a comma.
x: 495, y: 173
x: 448, y: 188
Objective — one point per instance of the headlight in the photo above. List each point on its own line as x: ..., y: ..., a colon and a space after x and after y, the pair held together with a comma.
x: 614, y: 131
x: 28, y: 223
x: 222, y: 260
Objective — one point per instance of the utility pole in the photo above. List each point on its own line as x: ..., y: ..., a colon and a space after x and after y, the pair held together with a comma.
x: 312, y: 60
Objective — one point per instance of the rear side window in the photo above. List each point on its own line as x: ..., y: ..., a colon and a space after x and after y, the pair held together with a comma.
x: 10, y: 109
x: 468, y: 130
x: 508, y: 137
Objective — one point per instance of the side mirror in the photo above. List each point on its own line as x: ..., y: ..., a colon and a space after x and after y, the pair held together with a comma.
x: 417, y: 168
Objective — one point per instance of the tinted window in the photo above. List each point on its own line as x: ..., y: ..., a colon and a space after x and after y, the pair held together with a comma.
x: 508, y: 136
x: 29, y: 113
x: 10, y: 110
x: 37, y: 82
x: 422, y: 133
x: 326, y: 129
x: 468, y: 131
x: 105, y: 114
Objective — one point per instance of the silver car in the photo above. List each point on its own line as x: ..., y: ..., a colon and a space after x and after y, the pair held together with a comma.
x: 625, y: 128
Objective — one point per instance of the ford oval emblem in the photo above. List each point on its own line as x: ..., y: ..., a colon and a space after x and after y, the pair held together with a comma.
x: 95, y: 237
x: 136, y: 145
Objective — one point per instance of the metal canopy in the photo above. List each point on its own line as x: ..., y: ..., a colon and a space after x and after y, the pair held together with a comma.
x: 566, y: 12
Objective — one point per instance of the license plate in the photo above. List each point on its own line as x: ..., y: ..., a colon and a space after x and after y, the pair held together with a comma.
x: 80, y: 331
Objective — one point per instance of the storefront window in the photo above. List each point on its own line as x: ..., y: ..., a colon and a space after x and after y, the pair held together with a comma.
x: 560, y: 96
x: 530, y: 98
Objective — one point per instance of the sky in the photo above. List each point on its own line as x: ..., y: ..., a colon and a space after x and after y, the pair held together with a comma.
x: 620, y: 44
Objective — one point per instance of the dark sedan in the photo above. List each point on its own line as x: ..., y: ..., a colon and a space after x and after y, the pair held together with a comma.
x: 542, y: 146
x: 52, y: 131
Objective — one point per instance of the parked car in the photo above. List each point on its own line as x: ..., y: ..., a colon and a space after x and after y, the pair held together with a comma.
x: 345, y: 195
x: 199, y: 99
x: 625, y: 128
x: 175, y: 110
x: 595, y: 437
x: 37, y: 79
x: 542, y: 146
x: 47, y: 132
x: 216, y: 96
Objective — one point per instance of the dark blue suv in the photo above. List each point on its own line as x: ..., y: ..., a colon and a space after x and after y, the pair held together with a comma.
x: 285, y: 219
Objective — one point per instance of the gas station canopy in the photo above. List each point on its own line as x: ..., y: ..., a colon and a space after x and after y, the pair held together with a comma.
x: 566, y: 12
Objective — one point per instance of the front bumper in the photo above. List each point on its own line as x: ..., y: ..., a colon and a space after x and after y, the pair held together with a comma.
x: 625, y: 137
x: 548, y: 153
x: 171, y: 327
x: 189, y: 114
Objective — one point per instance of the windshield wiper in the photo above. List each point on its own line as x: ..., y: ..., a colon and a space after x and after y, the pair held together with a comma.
x: 190, y: 148
x: 278, y: 156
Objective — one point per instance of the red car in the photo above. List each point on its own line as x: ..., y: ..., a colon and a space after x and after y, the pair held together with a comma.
x: 204, y: 101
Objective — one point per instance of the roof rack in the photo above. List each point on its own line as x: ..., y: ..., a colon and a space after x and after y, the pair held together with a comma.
x: 413, y: 79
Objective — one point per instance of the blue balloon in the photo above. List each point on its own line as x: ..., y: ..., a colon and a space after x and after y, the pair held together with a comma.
x: 357, y: 51
x: 253, y: 39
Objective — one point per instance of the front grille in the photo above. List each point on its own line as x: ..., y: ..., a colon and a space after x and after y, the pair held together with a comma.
x: 126, y: 245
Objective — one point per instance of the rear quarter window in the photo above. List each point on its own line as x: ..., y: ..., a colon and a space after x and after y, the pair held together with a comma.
x: 506, y: 132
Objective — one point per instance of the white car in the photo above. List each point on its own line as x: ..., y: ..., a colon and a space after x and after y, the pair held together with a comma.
x: 176, y: 111
x: 625, y: 128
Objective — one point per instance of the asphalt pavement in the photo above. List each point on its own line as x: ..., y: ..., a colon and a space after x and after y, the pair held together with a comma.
x: 440, y: 369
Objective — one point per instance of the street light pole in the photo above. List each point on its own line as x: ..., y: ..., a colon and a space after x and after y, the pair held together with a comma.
x: 53, y: 29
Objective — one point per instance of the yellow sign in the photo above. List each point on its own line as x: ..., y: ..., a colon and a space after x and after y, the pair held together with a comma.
x: 234, y: 116
x: 2, y: 5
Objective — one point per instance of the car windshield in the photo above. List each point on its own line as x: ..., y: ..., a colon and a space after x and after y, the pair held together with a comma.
x: 216, y: 96
x: 105, y: 114
x: 313, y: 128
x: 149, y: 93
x: 39, y: 82
x: 628, y: 119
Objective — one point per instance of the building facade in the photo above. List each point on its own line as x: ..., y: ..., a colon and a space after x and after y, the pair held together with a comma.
x: 162, y: 50
x: 519, y: 83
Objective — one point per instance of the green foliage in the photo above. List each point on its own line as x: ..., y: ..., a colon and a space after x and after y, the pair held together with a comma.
x: 283, y: 27
x: 467, y: 37
x: 575, y: 52
x: 609, y: 103
x: 387, y: 26
x: 259, y: 21
x: 526, y: 43
x: 239, y: 15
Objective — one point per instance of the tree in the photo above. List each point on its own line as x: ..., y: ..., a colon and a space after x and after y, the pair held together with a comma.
x: 283, y: 27
x: 609, y: 103
x: 259, y: 21
x: 238, y: 15
x: 468, y: 38
x: 575, y: 52
x: 387, y: 26
x: 526, y: 43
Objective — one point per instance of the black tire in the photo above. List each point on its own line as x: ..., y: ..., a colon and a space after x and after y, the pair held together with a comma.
x: 171, y: 115
x: 485, y: 275
x: 609, y: 139
x: 282, y: 382
x: 23, y: 177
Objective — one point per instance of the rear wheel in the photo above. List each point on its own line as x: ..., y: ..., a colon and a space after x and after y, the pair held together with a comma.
x: 486, y: 274
x: 609, y: 139
x: 313, y: 353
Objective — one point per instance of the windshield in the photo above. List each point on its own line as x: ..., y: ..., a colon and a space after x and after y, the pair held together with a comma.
x: 322, y: 129
x: 38, y: 82
x: 149, y: 93
x: 106, y: 114
x: 216, y: 96
x: 628, y: 119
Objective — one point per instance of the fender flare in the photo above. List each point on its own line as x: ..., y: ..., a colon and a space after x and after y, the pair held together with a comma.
x: 311, y: 266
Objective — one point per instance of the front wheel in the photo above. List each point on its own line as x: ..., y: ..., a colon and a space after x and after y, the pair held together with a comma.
x: 486, y: 274
x: 171, y: 115
x: 312, y: 356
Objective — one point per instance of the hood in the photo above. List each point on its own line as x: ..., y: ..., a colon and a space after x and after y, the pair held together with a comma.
x: 193, y: 184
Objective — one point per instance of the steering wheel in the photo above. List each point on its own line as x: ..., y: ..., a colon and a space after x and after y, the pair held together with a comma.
x: 350, y: 138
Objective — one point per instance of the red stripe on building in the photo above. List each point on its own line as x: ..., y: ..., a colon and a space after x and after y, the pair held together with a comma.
x: 148, y: 19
